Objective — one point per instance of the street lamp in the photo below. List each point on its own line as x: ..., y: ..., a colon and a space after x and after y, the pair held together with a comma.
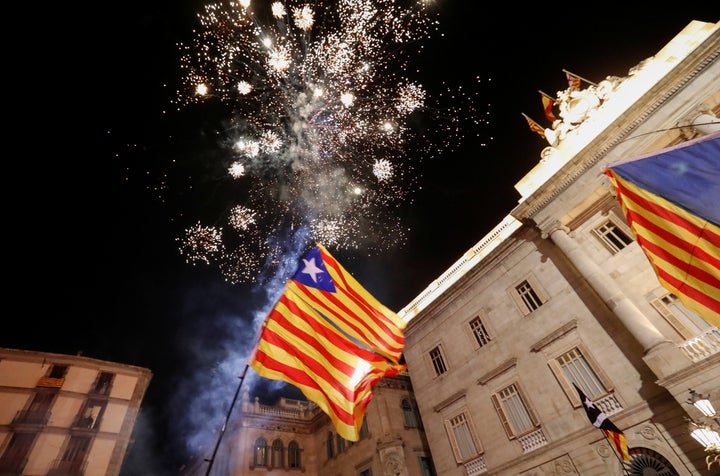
x: 705, y: 433
x: 702, y: 403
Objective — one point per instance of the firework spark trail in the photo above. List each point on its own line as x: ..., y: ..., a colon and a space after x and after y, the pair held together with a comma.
x: 322, y: 129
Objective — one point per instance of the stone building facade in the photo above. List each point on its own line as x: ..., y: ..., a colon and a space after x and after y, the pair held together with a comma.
x: 66, y: 415
x: 561, y: 293
x: 297, y: 437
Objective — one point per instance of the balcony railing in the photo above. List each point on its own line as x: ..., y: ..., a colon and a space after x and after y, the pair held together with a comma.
x: 702, y: 346
x: 533, y: 441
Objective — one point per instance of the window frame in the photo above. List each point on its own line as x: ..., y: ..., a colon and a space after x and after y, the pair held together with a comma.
x: 567, y: 384
x: 685, y: 321
x: 260, y: 453
x: 537, y: 289
x: 620, y: 225
x: 442, y: 359
x: 294, y: 455
x: 508, y: 422
x: 277, y: 453
x: 471, y: 433
x: 471, y: 330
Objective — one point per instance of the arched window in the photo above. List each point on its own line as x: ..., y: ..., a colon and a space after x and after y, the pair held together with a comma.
x: 364, y: 432
x: 411, y: 419
x: 330, y: 446
x: 340, y: 441
x: 260, y: 453
x: 278, y: 461
x: 294, y: 455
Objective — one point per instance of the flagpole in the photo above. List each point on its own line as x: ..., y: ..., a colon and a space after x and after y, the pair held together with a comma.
x: 579, y: 77
x: 227, y: 418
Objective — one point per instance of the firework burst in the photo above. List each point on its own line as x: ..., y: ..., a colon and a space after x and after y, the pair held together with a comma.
x: 323, y: 132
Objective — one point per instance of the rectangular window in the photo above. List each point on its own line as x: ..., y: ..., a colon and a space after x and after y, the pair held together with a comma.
x: 462, y: 440
x: 479, y: 331
x: 438, y: 361
x: 16, y: 453
x: 612, y: 236
x: 576, y: 366
x: 92, y: 414
x: 684, y: 321
x: 577, y: 370
x: 528, y: 296
x: 103, y: 384
x: 514, y: 413
x: 58, y: 371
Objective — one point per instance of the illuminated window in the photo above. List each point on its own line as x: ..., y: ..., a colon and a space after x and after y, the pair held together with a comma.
x: 260, y: 453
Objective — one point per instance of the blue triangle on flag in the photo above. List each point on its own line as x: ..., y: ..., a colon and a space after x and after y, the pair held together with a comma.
x: 313, y: 273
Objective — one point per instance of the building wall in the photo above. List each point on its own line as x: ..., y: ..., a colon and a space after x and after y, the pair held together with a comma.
x: 52, y: 426
x: 646, y: 383
x: 389, y: 447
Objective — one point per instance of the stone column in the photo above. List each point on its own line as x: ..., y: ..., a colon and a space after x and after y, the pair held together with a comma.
x: 661, y: 355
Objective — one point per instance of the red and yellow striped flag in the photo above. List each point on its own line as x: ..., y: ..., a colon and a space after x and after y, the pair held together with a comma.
x: 331, y: 339
x: 534, y: 126
x: 548, y: 103
x: 670, y: 199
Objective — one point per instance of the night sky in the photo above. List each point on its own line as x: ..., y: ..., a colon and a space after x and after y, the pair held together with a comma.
x: 94, y: 265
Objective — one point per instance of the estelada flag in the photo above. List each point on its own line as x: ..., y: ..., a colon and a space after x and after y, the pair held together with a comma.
x: 334, y: 345
x: 599, y: 419
x: 671, y: 200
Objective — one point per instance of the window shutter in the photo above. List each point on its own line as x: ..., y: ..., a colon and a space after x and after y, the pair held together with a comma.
x: 453, y: 443
x: 503, y: 418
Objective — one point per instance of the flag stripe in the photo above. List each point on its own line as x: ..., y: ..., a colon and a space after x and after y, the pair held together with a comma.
x: 548, y: 104
x: 683, y: 249
x: 619, y: 441
x: 534, y: 126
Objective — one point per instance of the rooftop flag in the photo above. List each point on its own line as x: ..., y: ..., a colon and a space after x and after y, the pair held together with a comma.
x: 303, y: 341
x: 671, y: 200
x: 534, y: 126
x: 548, y: 103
